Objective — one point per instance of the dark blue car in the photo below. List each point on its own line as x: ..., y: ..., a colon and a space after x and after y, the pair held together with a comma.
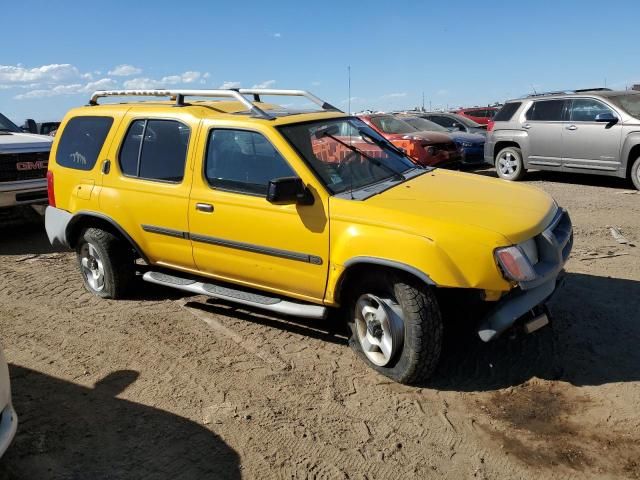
x: 471, y: 145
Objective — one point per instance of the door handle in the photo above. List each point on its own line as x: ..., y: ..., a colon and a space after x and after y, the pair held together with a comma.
x: 105, y: 167
x: 571, y: 127
x: 526, y: 126
x: 204, y: 207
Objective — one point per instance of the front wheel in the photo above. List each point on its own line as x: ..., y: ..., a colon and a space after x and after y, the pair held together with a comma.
x: 509, y: 164
x: 635, y: 173
x: 396, y: 326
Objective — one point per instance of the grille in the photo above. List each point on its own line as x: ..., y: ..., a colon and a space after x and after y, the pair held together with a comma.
x: 23, y: 166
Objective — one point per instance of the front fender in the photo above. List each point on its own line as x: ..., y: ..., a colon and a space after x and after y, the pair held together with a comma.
x: 630, y: 140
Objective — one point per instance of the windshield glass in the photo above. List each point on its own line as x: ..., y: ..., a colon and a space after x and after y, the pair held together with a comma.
x: 630, y: 103
x: 7, y: 125
x: 423, y: 124
x: 390, y: 124
x: 328, y: 147
x: 467, y: 121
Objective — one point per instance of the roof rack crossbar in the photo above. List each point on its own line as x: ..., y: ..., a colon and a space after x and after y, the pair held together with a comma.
x: 567, y: 92
x: 236, y: 93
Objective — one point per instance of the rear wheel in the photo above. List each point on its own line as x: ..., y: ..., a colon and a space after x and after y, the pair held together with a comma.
x: 635, y: 173
x: 396, y: 326
x: 509, y: 164
x: 106, y: 263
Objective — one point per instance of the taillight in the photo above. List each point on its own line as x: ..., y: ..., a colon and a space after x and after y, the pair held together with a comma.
x: 50, y: 193
x: 490, y: 124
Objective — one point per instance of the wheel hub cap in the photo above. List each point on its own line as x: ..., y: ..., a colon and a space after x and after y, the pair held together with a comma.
x: 379, y: 327
x: 92, y: 267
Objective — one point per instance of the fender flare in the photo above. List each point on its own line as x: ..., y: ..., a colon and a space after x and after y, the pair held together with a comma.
x: 83, y: 214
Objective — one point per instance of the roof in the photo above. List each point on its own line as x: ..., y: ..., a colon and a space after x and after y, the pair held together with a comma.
x: 595, y: 92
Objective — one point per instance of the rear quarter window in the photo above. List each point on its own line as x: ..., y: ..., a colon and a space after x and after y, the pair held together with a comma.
x: 81, y: 142
x: 507, y: 111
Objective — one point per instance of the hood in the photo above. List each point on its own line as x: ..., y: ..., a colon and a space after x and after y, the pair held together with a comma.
x: 24, y: 142
x: 430, y: 137
x: 468, y: 137
x: 515, y: 211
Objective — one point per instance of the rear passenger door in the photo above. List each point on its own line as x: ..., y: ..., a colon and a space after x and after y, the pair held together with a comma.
x: 590, y: 145
x: 544, y: 124
x: 146, y: 189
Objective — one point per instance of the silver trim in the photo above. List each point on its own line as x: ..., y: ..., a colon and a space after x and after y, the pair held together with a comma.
x: 286, y: 307
x: 237, y: 94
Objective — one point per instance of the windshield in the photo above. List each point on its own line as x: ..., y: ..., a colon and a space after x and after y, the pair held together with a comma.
x: 630, y: 103
x: 390, y: 124
x: 346, y: 153
x: 467, y: 121
x: 7, y: 125
x: 423, y: 124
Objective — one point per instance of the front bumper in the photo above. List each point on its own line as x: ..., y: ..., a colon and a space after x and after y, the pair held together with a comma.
x: 554, y: 247
x: 8, y: 427
x: 24, y: 192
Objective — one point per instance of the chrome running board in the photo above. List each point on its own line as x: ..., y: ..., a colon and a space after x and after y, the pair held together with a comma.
x: 243, y: 297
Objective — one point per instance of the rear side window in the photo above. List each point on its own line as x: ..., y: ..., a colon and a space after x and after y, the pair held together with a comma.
x: 546, y: 110
x: 243, y: 161
x: 81, y: 142
x: 155, y: 150
x: 507, y: 111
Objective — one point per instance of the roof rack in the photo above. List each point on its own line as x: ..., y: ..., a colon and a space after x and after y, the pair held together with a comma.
x: 567, y: 92
x: 235, y: 93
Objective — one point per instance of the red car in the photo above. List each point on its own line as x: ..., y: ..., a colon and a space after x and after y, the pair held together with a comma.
x: 480, y: 115
x: 425, y: 148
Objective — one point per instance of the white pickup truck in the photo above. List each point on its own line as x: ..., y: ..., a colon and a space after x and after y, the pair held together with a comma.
x: 23, y: 165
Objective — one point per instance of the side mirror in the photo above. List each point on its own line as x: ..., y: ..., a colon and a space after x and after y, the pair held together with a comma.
x: 287, y: 190
x: 606, y: 118
x: 30, y: 126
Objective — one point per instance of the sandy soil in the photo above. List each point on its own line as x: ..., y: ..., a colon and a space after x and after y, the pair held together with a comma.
x: 173, y: 386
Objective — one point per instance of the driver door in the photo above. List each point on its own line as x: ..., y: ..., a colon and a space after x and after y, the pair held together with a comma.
x: 237, y: 235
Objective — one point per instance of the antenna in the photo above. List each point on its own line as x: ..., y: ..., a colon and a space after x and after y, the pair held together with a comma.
x: 534, y: 89
x: 423, y: 100
x: 349, y: 77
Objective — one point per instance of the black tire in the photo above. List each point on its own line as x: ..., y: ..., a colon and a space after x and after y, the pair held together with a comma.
x: 112, y: 256
x: 515, y: 170
x: 423, y: 330
x: 635, y: 173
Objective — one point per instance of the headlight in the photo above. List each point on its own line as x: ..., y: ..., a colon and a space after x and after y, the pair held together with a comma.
x: 515, y: 264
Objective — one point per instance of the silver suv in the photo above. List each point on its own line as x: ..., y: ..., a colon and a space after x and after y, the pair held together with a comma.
x: 588, y: 131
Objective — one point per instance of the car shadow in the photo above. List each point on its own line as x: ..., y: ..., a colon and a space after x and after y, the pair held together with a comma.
x: 22, y: 232
x: 69, y: 431
x: 568, y: 177
x: 593, y: 340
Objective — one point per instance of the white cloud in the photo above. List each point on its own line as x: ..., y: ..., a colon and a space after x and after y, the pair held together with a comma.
x: 442, y: 92
x: 265, y: 84
x: 69, y: 89
x: 395, y: 95
x: 53, y: 73
x: 315, y: 84
x: 228, y: 84
x: 146, y: 83
x: 125, y: 70
x: 276, y: 35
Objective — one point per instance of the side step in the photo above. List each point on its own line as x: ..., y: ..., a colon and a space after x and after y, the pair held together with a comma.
x: 243, y: 297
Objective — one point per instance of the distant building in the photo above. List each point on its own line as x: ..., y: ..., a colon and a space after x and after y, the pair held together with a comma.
x: 636, y: 87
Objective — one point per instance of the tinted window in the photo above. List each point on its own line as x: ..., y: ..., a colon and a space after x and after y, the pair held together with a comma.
x: 546, y: 110
x: 442, y: 120
x: 476, y: 113
x: 389, y: 124
x: 243, y: 161
x: 507, y: 111
x: 586, y: 109
x: 82, y: 141
x: 630, y: 102
x: 155, y: 150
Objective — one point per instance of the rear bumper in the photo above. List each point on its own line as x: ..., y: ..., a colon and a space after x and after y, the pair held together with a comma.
x: 513, y: 306
x: 56, y: 221
x: 23, y: 192
x: 8, y: 427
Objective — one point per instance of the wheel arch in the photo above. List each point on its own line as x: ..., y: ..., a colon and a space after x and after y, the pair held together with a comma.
x: 634, y: 152
x: 85, y: 219
x: 501, y: 144
x: 356, y: 265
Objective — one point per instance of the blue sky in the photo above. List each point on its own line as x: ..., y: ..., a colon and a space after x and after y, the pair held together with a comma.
x: 456, y: 52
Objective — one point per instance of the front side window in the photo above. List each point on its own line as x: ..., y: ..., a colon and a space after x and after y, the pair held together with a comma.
x: 155, y: 150
x: 586, y: 110
x: 243, y: 161
x: 546, y: 111
x: 346, y: 154
x: 442, y: 120
x: 7, y: 125
x: 81, y: 142
x: 424, y: 124
x: 629, y: 102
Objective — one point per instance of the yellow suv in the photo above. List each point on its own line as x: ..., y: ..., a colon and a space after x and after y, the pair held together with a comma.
x: 301, y: 213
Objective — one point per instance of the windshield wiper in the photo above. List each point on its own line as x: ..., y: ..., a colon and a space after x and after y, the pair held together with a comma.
x: 373, y: 160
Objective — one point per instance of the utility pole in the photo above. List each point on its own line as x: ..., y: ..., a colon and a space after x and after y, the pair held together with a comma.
x: 349, y: 75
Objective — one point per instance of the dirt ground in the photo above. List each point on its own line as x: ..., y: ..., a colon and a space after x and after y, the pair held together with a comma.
x: 173, y: 386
